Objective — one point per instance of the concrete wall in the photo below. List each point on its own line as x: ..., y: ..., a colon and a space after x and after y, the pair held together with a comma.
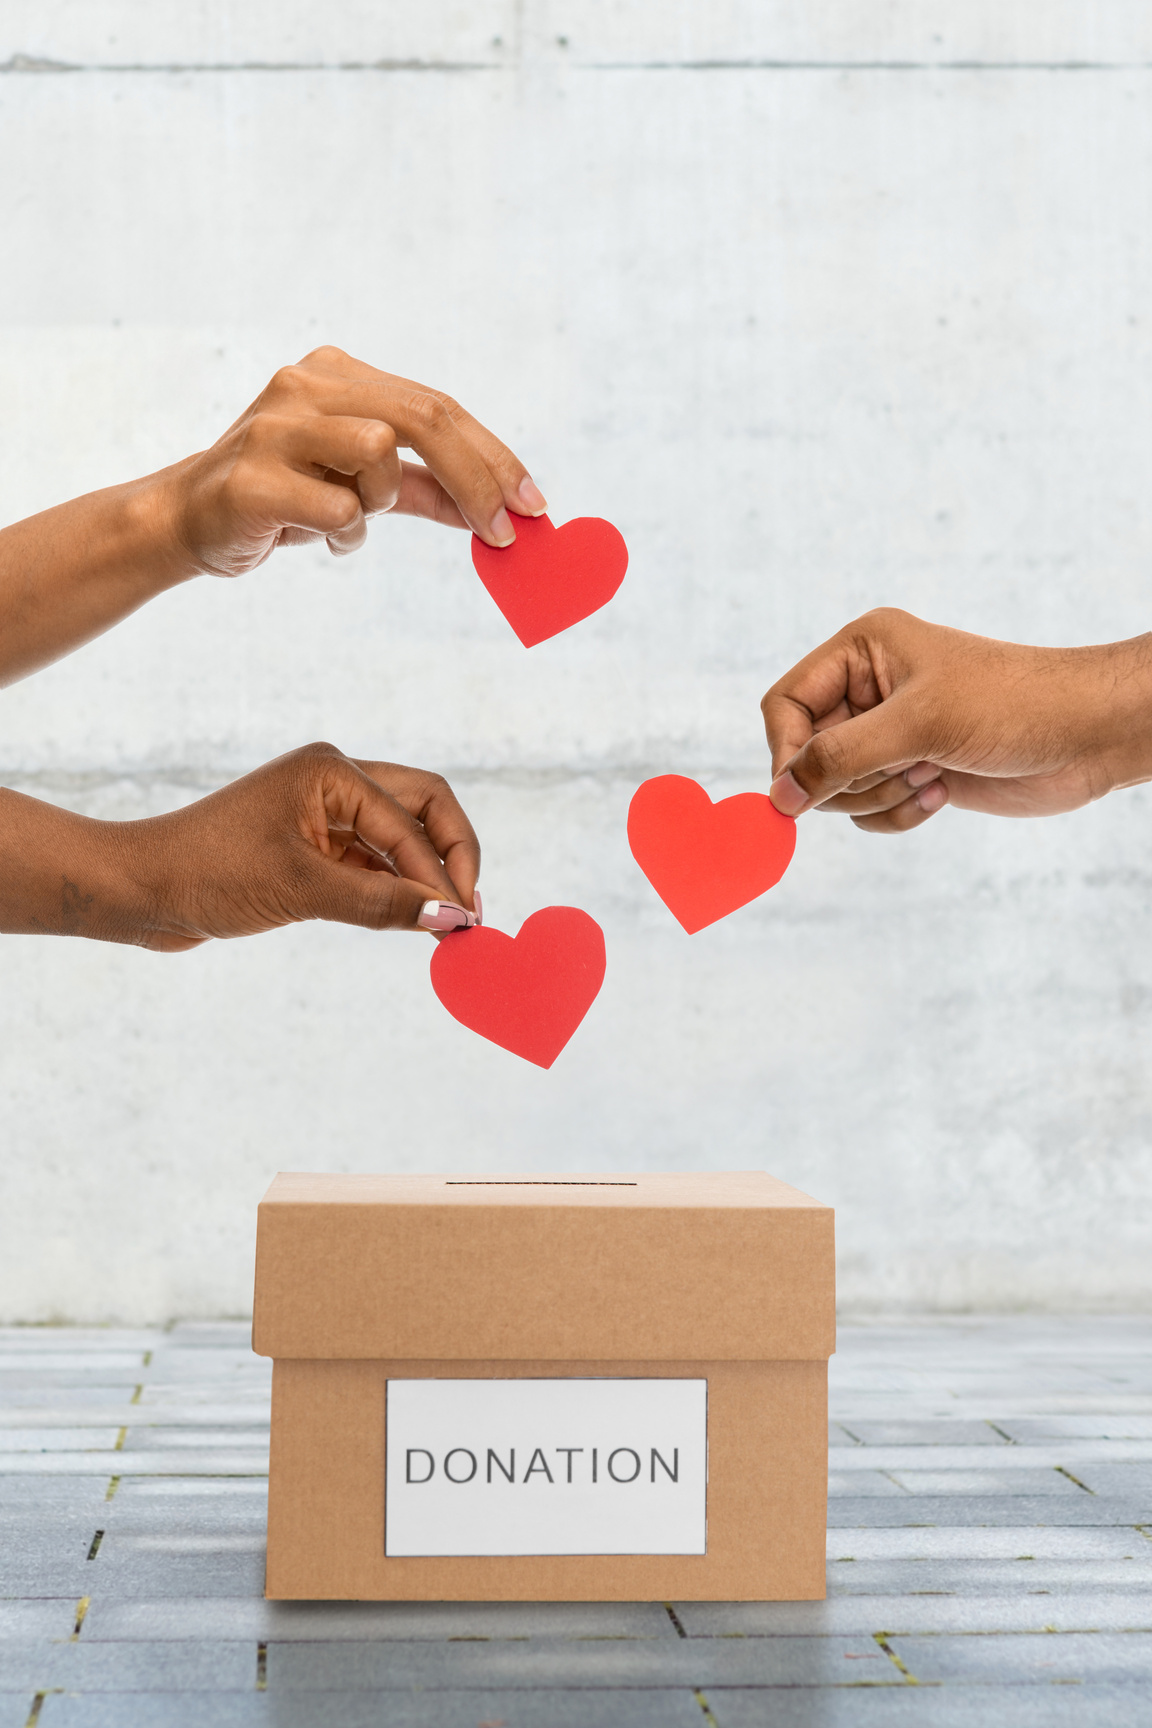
x: 825, y: 307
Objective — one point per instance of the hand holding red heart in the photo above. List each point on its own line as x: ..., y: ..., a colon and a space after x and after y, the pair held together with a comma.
x: 312, y: 835
x: 313, y: 457
x: 893, y: 718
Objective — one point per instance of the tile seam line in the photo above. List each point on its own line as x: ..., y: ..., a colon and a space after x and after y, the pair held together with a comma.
x: 28, y: 66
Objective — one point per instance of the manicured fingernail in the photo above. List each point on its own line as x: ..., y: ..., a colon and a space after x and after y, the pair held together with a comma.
x: 443, y: 915
x: 921, y: 773
x: 788, y: 795
x: 501, y: 528
x: 932, y: 798
x: 479, y: 905
x: 531, y: 497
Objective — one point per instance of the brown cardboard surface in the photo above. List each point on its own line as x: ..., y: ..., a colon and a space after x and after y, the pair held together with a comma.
x: 654, y: 1268
x: 767, y: 1488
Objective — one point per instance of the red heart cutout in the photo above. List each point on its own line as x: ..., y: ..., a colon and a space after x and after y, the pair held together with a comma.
x: 527, y: 993
x: 550, y: 578
x: 703, y: 859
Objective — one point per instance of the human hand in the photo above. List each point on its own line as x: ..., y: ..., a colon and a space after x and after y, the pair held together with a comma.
x: 311, y: 835
x: 893, y: 718
x: 316, y: 454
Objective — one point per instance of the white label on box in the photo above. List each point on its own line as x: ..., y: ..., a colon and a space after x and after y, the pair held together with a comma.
x: 546, y: 1467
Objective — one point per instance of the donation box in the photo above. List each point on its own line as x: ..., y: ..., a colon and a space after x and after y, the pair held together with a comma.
x: 578, y: 1388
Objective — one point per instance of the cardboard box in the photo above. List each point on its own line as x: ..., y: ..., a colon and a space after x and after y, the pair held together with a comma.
x: 580, y: 1388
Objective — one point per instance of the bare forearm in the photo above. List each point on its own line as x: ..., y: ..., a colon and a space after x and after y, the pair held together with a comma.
x: 72, y: 572
x: 60, y: 874
x: 305, y: 836
x: 312, y: 458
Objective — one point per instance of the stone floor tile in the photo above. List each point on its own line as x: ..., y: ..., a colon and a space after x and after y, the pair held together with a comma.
x: 131, y: 1546
x: 315, y: 1622
x: 173, y: 1568
x: 240, y: 1461
x: 1031, y: 1430
x: 178, y: 1436
x: 53, y: 1498
x: 159, y: 1491
x: 568, y: 1662
x: 165, y: 1710
x: 1038, y: 1706
x: 58, y: 1439
x: 1132, y: 1481
x: 862, y: 1484
x: 223, y: 1363
x: 952, y: 1577
x: 1059, y: 1542
x: 961, y: 1431
x: 179, y: 1518
x: 1073, y: 1455
x: 1116, y: 1611
x: 14, y: 1708
x: 848, y: 1512
x: 88, y: 1404
x: 1102, y: 1658
x: 982, y: 1484
x: 181, y: 1666
x: 521, y: 1709
x: 200, y: 1333
x: 30, y: 1582
x: 43, y: 1617
x: 184, y: 1411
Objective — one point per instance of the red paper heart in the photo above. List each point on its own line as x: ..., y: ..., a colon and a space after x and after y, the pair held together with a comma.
x: 527, y: 993
x: 703, y: 859
x: 550, y: 578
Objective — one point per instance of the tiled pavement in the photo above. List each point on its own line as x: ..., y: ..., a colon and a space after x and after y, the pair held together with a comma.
x: 989, y: 1558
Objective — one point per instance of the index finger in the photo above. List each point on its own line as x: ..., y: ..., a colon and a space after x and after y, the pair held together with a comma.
x: 833, y: 683
x: 484, y: 477
x: 356, y: 802
x: 430, y: 800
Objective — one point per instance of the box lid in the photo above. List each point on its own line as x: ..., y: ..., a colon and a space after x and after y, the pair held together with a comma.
x: 706, y: 1267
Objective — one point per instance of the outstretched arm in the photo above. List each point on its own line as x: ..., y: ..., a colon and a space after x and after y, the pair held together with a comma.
x: 312, y: 458
x: 311, y: 835
x: 893, y: 718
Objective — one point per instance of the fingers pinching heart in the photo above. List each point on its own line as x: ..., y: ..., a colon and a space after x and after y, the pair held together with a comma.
x: 527, y: 993
x: 550, y: 578
x: 706, y: 860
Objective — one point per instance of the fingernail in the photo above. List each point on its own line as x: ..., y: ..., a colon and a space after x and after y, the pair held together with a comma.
x: 443, y: 915
x: 479, y: 905
x: 932, y: 798
x: 788, y: 795
x: 501, y: 528
x: 531, y: 497
x: 921, y: 773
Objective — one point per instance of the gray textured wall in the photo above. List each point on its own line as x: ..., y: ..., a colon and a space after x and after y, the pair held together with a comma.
x: 825, y: 307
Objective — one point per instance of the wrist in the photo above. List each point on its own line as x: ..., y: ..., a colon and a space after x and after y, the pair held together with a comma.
x: 1117, y: 704
x: 153, y: 514
x: 59, y: 872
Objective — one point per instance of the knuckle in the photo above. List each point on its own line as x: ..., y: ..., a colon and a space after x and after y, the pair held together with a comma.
x: 320, y: 752
x: 326, y: 355
x: 346, y: 508
x: 289, y: 380
x: 429, y: 412
x: 378, y: 442
x: 886, y: 617
x: 825, y: 755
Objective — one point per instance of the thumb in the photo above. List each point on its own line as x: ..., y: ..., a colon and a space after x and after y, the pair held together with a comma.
x: 882, y: 741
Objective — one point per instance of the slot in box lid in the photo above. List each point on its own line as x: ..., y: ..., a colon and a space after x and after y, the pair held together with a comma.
x: 731, y: 1266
